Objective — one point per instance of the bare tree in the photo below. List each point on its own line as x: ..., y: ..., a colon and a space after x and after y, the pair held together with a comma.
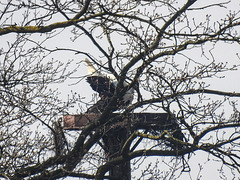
x: 164, y: 49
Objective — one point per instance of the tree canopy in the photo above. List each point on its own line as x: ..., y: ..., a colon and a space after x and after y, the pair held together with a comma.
x: 179, y: 56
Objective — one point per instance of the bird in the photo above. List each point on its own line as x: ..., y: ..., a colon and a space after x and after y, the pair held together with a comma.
x: 105, y: 85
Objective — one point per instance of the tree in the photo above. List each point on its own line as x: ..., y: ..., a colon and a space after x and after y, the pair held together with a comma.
x: 167, y: 50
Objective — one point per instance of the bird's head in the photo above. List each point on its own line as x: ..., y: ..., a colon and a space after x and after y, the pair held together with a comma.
x: 91, y: 69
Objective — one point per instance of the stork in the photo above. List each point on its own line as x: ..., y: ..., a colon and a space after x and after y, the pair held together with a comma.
x: 105, y: 85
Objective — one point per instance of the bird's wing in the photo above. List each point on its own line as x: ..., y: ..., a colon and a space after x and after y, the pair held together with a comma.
x: 102, y: 85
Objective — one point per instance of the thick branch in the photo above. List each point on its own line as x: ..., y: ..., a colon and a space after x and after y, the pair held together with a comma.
x: 84, y: 9
x: 103, y: 169
x: 157, y: 39
x: 43, y: 29
x: 37, y: 29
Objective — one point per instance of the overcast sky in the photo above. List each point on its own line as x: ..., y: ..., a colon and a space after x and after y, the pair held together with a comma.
x: 222, y: 52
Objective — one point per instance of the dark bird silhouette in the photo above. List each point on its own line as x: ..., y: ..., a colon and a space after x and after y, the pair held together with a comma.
x: 105, y: 85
